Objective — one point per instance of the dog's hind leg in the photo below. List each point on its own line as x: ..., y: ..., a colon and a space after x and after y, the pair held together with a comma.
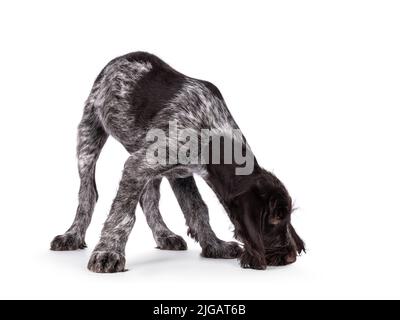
x: 164, y: 237
x: 197, y: 219
x: 91, y: 139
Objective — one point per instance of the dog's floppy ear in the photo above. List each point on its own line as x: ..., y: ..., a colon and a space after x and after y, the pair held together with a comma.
x: 277, y: 202
x: 278, y: 208
x: 271, y: 194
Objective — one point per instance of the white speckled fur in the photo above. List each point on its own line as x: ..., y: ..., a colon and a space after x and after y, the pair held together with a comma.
x: 108, y: 112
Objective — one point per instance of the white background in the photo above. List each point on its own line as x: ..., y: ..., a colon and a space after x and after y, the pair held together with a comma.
x: 314, y: 85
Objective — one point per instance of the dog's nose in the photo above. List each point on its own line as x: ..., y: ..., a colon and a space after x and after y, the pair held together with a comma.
x: 291, y: 257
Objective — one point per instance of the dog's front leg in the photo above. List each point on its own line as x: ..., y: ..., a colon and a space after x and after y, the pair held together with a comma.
x: 197, y: 219
x: 109, y: 254
x: 253, y: 256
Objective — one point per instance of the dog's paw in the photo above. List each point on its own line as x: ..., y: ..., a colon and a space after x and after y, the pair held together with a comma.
x: 106, y: 262
x: 173, y: 242
x: 249, y: 261
x: 223, y: 250
x: 67, y: 242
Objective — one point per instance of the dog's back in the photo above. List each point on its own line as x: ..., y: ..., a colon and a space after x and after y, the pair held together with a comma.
x: 139, y: 91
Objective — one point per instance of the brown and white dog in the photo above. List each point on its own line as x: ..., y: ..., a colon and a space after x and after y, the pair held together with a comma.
x: 135, y: 99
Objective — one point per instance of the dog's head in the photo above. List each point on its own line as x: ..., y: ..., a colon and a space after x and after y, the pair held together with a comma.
x: 263, y: 215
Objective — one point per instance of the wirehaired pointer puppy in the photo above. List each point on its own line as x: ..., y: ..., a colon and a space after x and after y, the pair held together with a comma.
x: 137, y: 93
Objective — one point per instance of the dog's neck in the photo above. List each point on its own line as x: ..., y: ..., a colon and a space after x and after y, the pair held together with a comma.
x: 224, y: 181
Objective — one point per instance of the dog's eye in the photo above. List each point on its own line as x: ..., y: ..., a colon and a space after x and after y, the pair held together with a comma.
x: 274, y: 220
